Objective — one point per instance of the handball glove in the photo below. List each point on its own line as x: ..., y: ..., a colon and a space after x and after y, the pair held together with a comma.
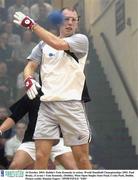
x: 23, y: 20
x: 31, y: 87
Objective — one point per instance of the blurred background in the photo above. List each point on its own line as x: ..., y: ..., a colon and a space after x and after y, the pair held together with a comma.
x: 111, y: 72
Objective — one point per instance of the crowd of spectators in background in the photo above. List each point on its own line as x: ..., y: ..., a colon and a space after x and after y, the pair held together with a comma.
x: 15, y: 45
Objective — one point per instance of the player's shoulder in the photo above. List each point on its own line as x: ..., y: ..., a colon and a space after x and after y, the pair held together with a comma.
x: 80, y: 38
x: 42, y: 44
x: 79, y: 35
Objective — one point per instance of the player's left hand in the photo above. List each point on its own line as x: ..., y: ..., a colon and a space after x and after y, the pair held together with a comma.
x: 23, y: 20
x: 31, y: 87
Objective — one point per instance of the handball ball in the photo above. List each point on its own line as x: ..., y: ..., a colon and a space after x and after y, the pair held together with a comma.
x: 55, y: 18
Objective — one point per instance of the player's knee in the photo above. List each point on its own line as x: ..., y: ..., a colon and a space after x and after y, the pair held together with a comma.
x: 82, y: 161
x: 81, y: 157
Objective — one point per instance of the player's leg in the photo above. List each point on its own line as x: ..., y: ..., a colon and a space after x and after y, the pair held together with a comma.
x: 63, y: 155
x: 43, y: 150
x: 76, y: 132
x: 81, y: 155
x: 45, y: 135
x: 21, y: 160
x: 24, y: 157
x: 67, y: 161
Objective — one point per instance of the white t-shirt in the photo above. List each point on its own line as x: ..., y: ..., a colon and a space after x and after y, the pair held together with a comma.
x: 62, y: 76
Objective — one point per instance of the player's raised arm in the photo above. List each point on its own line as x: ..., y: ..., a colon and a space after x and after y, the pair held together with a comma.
x: 52, y: 40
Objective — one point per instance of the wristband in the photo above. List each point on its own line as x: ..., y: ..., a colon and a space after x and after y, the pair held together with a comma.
x: 33, y: 27
x: 28, y: 82
x: 28, y: 23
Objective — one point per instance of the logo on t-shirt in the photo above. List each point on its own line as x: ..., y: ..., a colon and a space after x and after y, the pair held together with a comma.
x: 51, y: 54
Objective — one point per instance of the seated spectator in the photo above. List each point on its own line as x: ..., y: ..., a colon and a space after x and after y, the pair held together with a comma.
x: 6, y: 51
x: 22, y: 51
x: 9, y: 3
x: 18, y: 6
x: 35, y: 9
x: 13, y: 143
x: 3, y: 16
x: 14, y: 40
x: 3, y: 112
x: 6, y: 55
x: 42, y: 18
x: 29, y: 3
x: 5, y: 85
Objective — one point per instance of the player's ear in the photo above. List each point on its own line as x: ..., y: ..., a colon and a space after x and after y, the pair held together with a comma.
x: 77, y: 27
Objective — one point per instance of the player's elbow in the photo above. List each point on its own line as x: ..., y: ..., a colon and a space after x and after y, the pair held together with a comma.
x: 61, y: 45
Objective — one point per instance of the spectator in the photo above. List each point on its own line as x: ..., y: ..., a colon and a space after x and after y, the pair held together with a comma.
x: 14, y: 40
x: 6, y: 55
x: 5, y: 91
x: 9, y: 3
x: 3, y: 116
x: 35, y: 9
x: 23, y: 50
x: 29, y: 3
x: 13, y: 143
x: 3, y: 113
x: 18, y: 6
x: 42, y: 18
x: 6, y: 52
x: 3, y: 16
